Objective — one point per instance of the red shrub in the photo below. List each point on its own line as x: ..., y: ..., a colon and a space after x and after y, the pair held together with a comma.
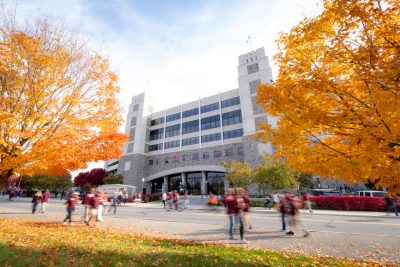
x: 350, y: 203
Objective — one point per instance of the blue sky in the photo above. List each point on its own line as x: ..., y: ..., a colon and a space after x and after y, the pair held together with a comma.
x: 176, y: 51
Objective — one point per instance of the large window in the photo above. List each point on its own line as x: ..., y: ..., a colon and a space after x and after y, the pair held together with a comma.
x: 232, y: 117
x: 193, y: 183
x: 172, y: 130
x: 229, y: 152
x: 172, y: 144
x: 206, y: 155
x: 233, y: 133
x: 230, y: 102
x: 190, y: 112
x: 155, y: 147
x: 190, y: 141
x: 190, y: 127
x: 252, y: 68
x: 210, y: 107
x: 216, y: 182
x: 173, y: 117
x: 157, y: 134
x: 157, y: 121
x: 210, y: 122
x: 211, y: 137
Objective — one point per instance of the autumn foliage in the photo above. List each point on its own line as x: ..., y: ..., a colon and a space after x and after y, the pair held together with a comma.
x: 337, y: 94
x: 58, y: 106
x: 93, y: 178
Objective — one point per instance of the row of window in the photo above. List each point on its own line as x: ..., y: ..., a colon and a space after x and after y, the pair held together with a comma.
x: 230, y: 102
x: 228, y: 118
x: 229, y: 152
x: 195, y: 111
x: 195, y: 140
x: 173, y: 117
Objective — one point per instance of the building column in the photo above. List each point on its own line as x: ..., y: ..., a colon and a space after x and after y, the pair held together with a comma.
x: 165, y: 184
x: 203, y: 183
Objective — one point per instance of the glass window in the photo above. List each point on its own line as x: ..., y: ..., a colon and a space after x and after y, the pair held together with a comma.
x: 252, y: 68
x: 195, y: 156
x: 232, y: 117
x: 240, y: 151
x: 190, y: 141
x: 133, y: 121
x: 217, y: 153
x: 190, y: 112
x: 132, y: 134
x: 210, y: 122
x: 157, y: 134
x: 172, y: 130
x: 135, y: 107
x: 210, y: 107
x: 254, y: 85
x: 229, y: 152
x: 166, y: 159
x: 210, y: 137
x: 151, y: 162
x: 173, y: 117
x: 171, y: 144
x: 233, y: 133
x: 190, y: 127
x: 206, y: 155
x: 230, y: 102
x: 184, y: 157
x: 157, y: 121
x: 193, y: 183
x: 155, y: 147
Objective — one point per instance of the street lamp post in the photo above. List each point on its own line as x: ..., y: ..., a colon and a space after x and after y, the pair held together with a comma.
x: 219, y: 187
x: 143, y: 184
x: 192, y: 188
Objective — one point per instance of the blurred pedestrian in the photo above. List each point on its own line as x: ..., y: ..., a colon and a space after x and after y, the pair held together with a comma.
x: 101, y: 200
x: 246, y: 208
x: 186, y: 199
x: 37, y: 198
x: 71, y: 207
x: 231, y: 210
x: 94, y: 205
x: 114, y: 202
x: 86, y: 203
x: 45, y: 200
x: 391, y: 206
x: 164, y: 198
x: 294, y: 216
x: 283, y: 209
x: 307, y: 202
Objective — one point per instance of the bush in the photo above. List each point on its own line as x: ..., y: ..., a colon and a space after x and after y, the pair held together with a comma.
x: 151, y: 197
x: 257, y: 202
x: 354, y: 203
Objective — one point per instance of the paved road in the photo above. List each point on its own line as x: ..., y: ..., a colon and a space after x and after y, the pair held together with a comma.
x: 361, y: 237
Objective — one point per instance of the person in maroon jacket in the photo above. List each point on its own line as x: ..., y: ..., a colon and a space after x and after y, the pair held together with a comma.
x: 71, y: 207
x: 86, y: 203
x: 94, y: 205
x: 37, y: 198
x: 45, y: 200
x: 231, y: 210
x: 246, y: 209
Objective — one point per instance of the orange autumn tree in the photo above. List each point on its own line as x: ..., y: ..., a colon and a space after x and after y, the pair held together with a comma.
x: 58, y: 106
x: 337, y: 94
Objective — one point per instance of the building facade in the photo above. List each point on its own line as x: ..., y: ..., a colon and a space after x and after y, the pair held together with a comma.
x: 183, y: 146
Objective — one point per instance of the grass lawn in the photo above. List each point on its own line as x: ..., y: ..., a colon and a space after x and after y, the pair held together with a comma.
x: 27, y: 243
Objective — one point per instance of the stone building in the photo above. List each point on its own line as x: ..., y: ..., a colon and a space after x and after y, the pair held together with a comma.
x: 183, y: 146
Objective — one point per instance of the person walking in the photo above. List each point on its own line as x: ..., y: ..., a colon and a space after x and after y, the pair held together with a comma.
x: 246, y: 208
x: 37, y: 198
x: 114, y: 202
x: 240, y: 207
x: 294, y: 216
x: 94, y: 205
x: 45, y: 200
x: 71, y: 207
x: 101, y: 199
x: 283, y: 209
x: 231, y: 211
x: 186, y: 199
x: 307, y: 202
x: 164, y: 198
x: 391, y: 206
x: 86, y: 203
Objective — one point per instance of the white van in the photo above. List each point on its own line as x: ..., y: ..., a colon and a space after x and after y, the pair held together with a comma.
x: 370, y: 193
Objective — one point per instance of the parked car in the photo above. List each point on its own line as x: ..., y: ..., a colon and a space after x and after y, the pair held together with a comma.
x: 370, y: 193
x: 324, y: 192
